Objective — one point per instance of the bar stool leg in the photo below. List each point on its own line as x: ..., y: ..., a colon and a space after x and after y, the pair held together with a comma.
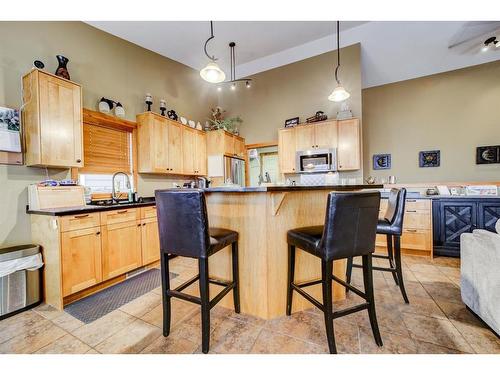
x: 390, y: 253
x: 348, y: 272
x: 326, y: 275
x: 368, y: 282
x: 205, y: 304
x: 165, y: 288
x: 291, y: 276
x: 236, y: 277
x: 399, y: 269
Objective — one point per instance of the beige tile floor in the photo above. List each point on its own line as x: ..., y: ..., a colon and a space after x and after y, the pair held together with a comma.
x: 435, y: 321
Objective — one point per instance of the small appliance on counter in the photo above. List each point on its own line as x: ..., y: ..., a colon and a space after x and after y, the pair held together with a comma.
x: 43, y: 197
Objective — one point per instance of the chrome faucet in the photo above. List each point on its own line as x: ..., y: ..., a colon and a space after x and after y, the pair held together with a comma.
x: 113, y: 192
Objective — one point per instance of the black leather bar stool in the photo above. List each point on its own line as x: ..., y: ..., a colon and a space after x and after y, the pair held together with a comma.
x: 184, y: 231
x: 349, y: 230
x: 392, y: 226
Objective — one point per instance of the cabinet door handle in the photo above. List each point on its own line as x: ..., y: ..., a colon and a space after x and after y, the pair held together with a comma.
x: 81, y: 216
x: 121, y: 212
x: 411, y: 200
x: 139, y: 225
x: 411, y: 210
x: 411, y: 230
x: 143, y: 224
x: 78, y: 160
x: 97, y: 233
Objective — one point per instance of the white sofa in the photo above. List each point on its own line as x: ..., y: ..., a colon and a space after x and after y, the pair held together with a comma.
x: 480, y: 274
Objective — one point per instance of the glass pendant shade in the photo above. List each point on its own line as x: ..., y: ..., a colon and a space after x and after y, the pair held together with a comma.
x: 339, y: 94
x: 212, y: 73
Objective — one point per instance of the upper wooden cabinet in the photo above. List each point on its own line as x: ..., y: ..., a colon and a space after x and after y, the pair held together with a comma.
x: 221, y: 142
x: 286, y: 150
x: 348, y: 149
x: 52, y: 120
x: 342, y: 134
x: 168, y: 147
x: 194, y: 152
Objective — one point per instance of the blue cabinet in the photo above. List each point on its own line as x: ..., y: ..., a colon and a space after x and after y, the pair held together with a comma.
x: 454, y: 216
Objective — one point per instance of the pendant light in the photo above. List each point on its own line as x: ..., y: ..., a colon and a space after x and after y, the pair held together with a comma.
x: 233, y: 81
x: 212, y: 73
x: 339, y: 94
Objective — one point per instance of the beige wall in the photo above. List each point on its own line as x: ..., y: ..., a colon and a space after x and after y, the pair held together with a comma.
x: 453, y: 112
x: 298, y: 89
x: 105, y: 66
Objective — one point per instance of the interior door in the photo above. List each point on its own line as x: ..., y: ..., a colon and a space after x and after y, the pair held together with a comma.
x: 286, y: 150
x: 150, y: 241
x: 304, y: 137
x: 121, y: 248
x: 80, y: 259
x: 175, y: 147
x: 61, y: 131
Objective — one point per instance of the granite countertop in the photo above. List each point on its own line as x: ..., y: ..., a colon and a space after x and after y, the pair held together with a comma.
x: 284, y: 188
x: 150, y: 201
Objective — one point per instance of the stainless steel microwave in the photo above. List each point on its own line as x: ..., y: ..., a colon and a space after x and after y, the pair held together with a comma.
x: 317, y: 161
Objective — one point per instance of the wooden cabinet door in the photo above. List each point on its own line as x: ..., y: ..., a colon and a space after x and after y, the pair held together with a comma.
x: 488, y: 214
x: 325, y: 134
x: 150, y: 241
x: 348, y: 149
x: 201, y: 154
x: 61, y: 129
x: 286, y: 150
x: 239, y: 147
x: 121, y: 248
x: 80, y: 259
x: 304, y: 137
x: 228, y: 144
x: 159, y: 141
x: 189, y: 152
x: 174, y: 147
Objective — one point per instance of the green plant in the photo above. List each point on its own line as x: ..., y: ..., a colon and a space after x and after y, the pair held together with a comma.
x: 228, y: 124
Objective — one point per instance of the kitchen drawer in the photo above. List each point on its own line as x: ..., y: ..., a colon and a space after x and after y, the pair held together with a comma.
x: 119, y: 216
x: 417, y: 220
x: 416, y: 239
x: 418, y: 204
x: 148, y: 212
x: 81, y: 221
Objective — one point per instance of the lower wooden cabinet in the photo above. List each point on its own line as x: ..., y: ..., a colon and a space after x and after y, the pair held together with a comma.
x: 121, y: 248
x: 417, y: 228
x: 80, y: 259
x: 150, y: 241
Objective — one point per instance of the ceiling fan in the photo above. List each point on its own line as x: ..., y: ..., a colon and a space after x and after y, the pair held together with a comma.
x: 476, y: 37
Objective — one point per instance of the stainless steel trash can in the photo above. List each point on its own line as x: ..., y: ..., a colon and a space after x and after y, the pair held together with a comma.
x: 21, y: 289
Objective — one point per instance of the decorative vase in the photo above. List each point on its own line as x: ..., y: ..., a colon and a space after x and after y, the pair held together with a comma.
x: 62, y: 69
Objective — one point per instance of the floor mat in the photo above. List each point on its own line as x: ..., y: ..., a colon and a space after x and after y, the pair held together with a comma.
x: 97, y: 305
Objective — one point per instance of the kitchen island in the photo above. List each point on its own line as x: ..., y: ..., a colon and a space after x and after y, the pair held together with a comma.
x: 262, y: 216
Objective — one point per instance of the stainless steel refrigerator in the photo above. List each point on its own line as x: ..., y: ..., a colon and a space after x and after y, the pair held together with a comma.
x: 234, y: 170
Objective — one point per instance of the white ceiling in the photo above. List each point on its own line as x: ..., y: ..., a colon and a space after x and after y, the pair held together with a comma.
x: 391, y: 51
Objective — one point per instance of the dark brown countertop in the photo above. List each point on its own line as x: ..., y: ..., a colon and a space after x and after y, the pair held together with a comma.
x: 282, y: 188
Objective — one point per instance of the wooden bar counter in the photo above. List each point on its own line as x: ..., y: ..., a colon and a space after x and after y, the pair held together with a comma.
x: 262, y: 216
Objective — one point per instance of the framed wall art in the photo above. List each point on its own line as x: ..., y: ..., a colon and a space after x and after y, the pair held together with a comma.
x: 291, y: 122
x: 429, y: 159
x: 381, y: 161
x: 488, y: 155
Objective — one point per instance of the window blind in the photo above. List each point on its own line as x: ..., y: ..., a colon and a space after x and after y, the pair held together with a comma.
x: 106, y: 150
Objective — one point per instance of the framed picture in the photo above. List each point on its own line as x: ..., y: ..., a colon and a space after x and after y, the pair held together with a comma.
x: 488, y: 155
x: 10, y: 130
x: 291, y: 122
x: 429, y: 159
x: 381, y: 161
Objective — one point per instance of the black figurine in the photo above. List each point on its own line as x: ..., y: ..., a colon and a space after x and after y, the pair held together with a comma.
x: 172, y: 115
x: 149, y: 101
